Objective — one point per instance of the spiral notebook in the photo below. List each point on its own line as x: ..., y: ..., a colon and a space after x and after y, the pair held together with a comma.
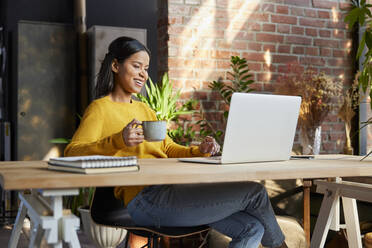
x: 94, y: 164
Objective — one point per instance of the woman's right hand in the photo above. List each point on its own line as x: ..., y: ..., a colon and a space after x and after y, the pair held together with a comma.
x: 132, y: 134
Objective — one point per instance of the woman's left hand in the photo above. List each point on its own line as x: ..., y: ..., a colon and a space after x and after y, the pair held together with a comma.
x: 209, y: 145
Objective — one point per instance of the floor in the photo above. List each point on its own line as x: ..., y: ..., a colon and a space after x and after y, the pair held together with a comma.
x: 5, y: 232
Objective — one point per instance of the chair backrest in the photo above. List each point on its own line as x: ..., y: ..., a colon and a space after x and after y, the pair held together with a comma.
x: 107, y: 210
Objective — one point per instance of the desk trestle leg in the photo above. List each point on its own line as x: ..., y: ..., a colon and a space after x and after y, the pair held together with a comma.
x: 350, y: 192
x: 352, y: 222
x: 324, y: 219
x: 47, y: 219
x: 17, y: 226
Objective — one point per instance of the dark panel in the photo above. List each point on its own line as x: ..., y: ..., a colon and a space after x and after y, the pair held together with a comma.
x: 131, y: 14
x: 46, y: 87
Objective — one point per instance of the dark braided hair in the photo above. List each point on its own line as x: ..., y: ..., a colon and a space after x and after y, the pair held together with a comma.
x: 119, y: 49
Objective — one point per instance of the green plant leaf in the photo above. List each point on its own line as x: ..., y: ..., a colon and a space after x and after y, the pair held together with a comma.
x: 60, y: 141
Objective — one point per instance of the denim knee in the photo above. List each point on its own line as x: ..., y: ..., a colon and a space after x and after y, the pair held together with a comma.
x: 250, y: 230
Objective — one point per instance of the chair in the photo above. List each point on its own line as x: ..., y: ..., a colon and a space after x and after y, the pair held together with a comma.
x: 109, y: 211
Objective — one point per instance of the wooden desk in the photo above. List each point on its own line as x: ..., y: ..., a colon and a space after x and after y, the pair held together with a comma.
x: 34, y: 175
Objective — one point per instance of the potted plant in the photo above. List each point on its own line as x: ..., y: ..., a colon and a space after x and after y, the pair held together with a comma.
x: 161, y: 98
x: 360, y: 14
x: 239, y: 80
x: 319, y: 96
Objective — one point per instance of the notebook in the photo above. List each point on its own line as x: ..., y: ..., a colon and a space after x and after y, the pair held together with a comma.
x: 94, y: 164
x: 260, y: 127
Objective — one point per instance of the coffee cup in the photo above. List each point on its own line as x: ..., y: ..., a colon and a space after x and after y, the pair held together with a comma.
x: 154, y: 130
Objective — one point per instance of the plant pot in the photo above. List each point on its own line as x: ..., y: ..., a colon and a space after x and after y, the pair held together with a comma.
x: 103, y: 236
x: 311, y: 140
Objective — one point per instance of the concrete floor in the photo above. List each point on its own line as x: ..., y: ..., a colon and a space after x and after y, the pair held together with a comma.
x: 5, y: 232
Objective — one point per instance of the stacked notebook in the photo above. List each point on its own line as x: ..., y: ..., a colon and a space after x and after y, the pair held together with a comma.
x: 94, y: 164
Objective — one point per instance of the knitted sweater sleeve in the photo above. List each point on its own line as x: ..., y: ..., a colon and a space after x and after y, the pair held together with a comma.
x: 87, y: 139
x: 174, y: 150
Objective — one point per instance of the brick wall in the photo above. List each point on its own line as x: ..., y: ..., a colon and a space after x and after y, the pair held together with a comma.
x: 198, y: 37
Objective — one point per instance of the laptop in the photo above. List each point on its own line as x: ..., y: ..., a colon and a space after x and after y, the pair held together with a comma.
x: 260, y: 127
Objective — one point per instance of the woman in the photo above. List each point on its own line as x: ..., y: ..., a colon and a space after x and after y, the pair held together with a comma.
x: 110, y: 127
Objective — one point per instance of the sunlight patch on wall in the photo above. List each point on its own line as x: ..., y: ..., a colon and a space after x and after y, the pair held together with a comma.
x: 237, y: 22
x: 268, y: 60
x: 199, y: 25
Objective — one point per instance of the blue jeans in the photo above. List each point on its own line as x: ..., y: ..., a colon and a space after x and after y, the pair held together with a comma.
x: 241, y: 211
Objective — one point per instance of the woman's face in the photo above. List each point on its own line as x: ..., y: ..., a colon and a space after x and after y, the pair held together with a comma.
x: 132, y: 74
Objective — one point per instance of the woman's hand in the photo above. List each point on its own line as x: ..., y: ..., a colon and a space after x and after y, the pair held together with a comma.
x: 209, y: 145
x: 132, y: 134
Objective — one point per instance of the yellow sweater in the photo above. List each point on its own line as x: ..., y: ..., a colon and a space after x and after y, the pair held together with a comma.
x: 100, y: 133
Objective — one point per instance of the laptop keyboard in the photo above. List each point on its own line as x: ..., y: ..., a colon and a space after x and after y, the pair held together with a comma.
x: 214, y: 158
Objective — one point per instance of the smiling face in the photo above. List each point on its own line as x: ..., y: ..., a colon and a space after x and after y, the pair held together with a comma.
x: 130, y: 76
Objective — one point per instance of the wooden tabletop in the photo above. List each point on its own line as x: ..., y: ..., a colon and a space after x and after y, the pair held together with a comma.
x: 18, y: 175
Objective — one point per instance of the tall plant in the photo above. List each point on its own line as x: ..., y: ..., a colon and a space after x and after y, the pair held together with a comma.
x: 239, y: 80
x: 360, y: 14
x: 163, y: 100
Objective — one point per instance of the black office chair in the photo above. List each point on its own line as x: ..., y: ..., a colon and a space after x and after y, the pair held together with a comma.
x: 109, y: 211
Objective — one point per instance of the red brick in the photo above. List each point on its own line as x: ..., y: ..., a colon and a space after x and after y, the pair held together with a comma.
x: 311, y: 32
x: 201, y: 53
x: 325, y: 52
x: 179, y: 10
x: 345, y: 6
x: 177, y: 73
x: 175, y: 20
x: 312, y: 22
x: 324, y: 4
x: 325, y: 33
x: 324, y: 14
x: 283, y: 28
x: 268, y: 27
x: 297, y: 30
x: 336, y: 33
x: 252, y: 26
x: 207, y: 64
x: 254, y: 46
x: 305, y: 3
x: 269, y: 38
x: 283, y: 19
x: 254, y: 66
x: 282, y: 9
x: 312, y: 61
x: 326, y: 43
x: 328, y: 146
x: 298, y: 50
x: 216, y: 54
x: 221, y: 23
x: 223, y: 44
x: 209, y: 105
x: 310, y: 13
x: 340, y: 24
x: 312, y: 51
x: 268, y: 7
x: 215, y: 96
x: 254, y: 56
x: 295, y: 11
x: 269, y: 47
x: 298, y: 40
x: 339, y: 53
x: 222, y: 3
x: 263, y: 17
x: 240, y: 45
x: 337, y: 62
x: 345, y: 43
x: 256, y: 86
x: 284, y: 49
x: 284, y: 58
x: 326, y: 71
